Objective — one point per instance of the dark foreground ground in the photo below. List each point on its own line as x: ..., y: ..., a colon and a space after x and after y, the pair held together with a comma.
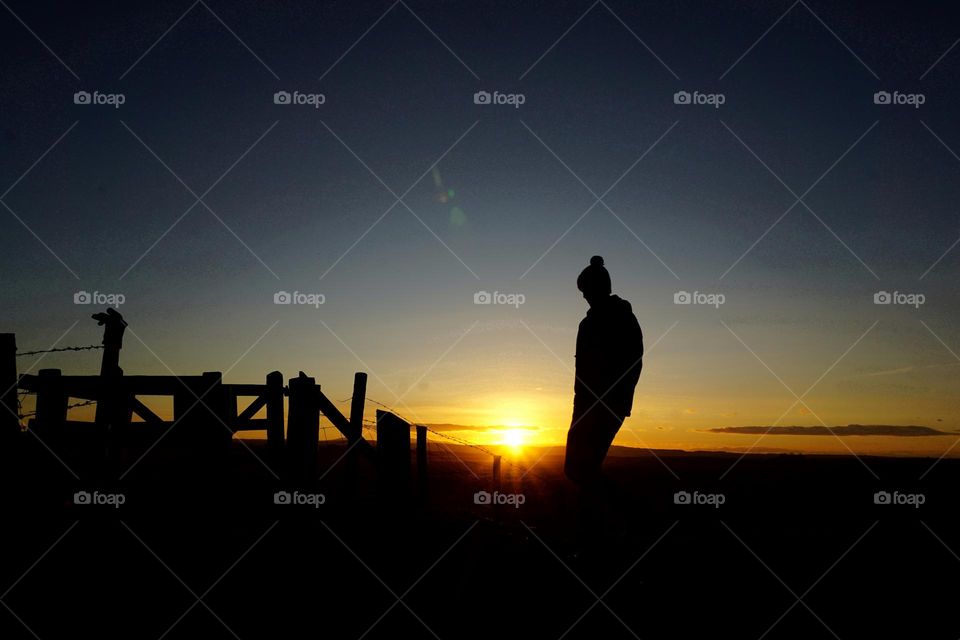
x: 798, y: 549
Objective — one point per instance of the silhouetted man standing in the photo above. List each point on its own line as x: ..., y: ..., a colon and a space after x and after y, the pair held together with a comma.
x: 609, y: 359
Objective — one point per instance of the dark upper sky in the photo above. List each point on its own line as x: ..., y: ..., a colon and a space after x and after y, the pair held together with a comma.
x: 292, y: 207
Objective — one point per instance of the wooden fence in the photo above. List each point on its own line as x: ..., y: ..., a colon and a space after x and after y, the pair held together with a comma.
x: 206, y: 411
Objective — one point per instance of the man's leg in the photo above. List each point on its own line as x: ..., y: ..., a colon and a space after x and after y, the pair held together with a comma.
x: 585, y: 448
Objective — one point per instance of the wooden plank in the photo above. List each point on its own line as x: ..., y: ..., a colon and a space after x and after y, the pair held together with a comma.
x: 86, y: 387
x: 341, y: 423
x: 251, y: 410
x: 145, y: 412
x: 246, y: 389
x: 258, y: 424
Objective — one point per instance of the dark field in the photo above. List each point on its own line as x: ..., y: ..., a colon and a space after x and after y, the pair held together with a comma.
x: 798, y: 548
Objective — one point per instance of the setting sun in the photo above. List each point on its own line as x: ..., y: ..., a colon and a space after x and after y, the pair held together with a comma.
x: 514, y: 438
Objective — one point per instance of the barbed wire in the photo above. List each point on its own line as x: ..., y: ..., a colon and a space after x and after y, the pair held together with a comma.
x: 75, y: 405
x: 527, y: 470
x: 81, y: 404
x: 58, y: 349
x: 447, y: 436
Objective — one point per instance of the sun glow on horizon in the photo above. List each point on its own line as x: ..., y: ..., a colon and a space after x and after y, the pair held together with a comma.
x: 514, y: 438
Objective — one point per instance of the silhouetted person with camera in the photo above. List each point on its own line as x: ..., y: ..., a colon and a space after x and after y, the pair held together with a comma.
x: 609, y: 359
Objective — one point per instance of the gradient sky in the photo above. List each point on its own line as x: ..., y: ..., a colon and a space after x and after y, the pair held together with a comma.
x: 501, y: 210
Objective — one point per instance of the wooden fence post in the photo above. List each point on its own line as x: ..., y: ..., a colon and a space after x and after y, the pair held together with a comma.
x: 496, y: 473
x: 393, y: 453
x: 51, y: 416
x: 109, y: 399
x: 357, y: 401
x: 356, y: 405
x: 9, y: 408
x: 200, y: 411
x: 421, y: 454
x: 113, y: 328
x: 216, y: 428
x: 275, y: 410
x: 303, y: 423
